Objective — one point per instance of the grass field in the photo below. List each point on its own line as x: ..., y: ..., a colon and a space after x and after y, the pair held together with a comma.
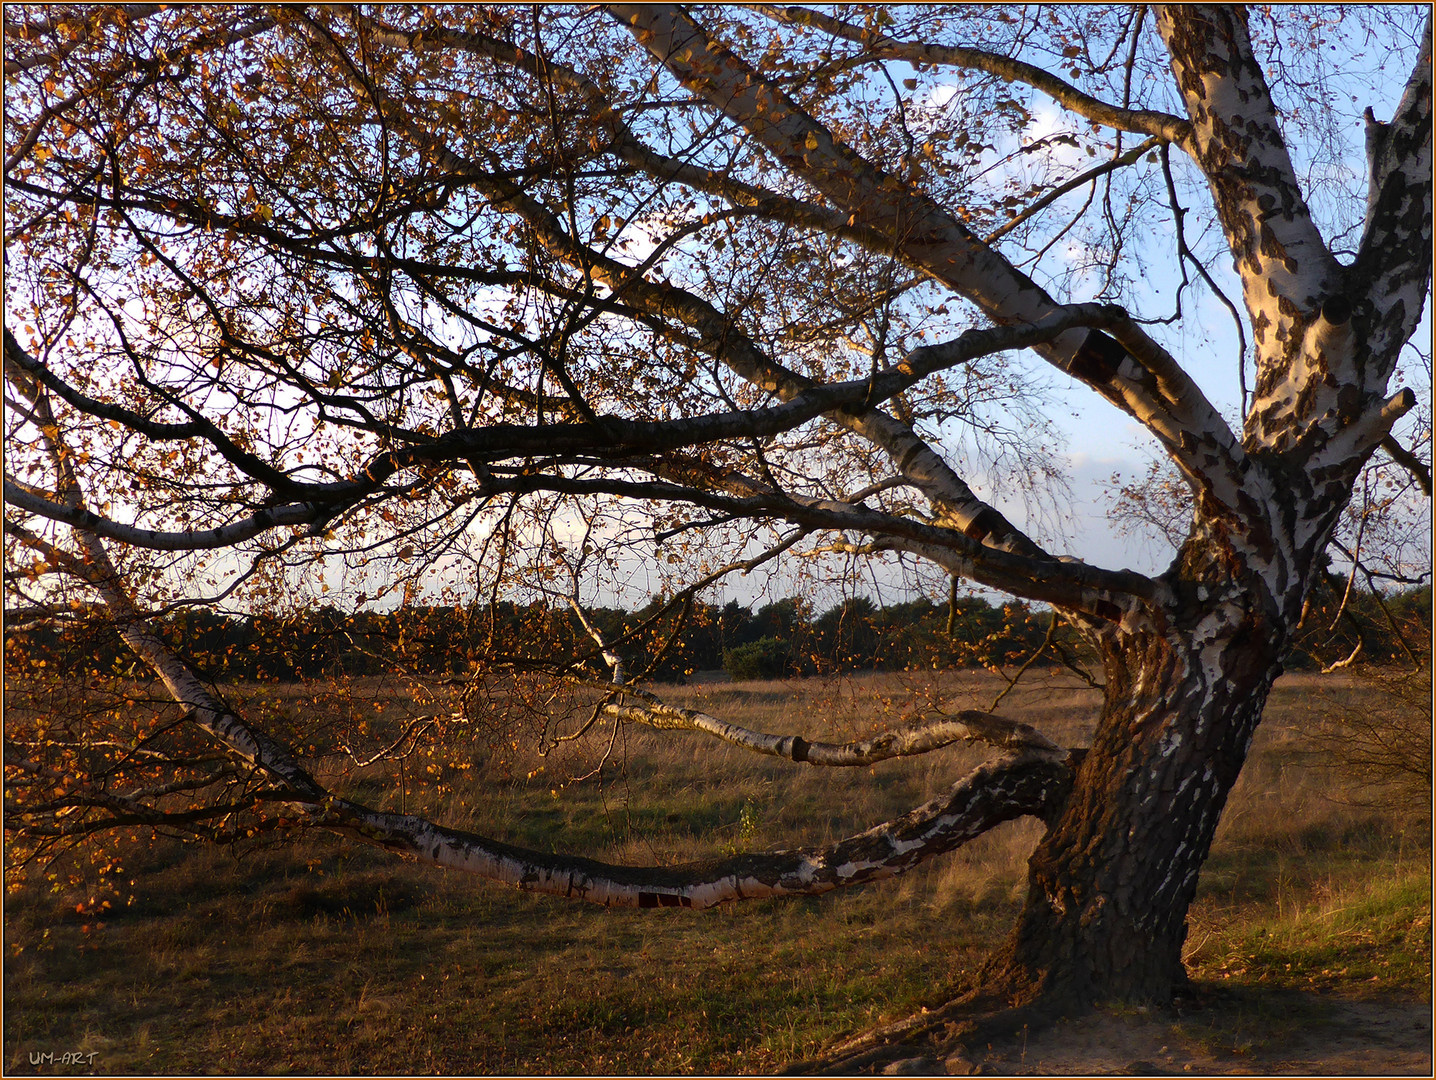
x: 325, y: 957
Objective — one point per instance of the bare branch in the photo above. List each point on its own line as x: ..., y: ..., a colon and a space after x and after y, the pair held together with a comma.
x: 17, y: 359
x: 916, y: 738
x: 18, y: 495
x: 1119, y: 161
x: 1410, y: 462
x: 880, y: 46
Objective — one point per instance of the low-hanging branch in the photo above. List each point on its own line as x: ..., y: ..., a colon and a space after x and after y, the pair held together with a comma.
x: 1020, y: 784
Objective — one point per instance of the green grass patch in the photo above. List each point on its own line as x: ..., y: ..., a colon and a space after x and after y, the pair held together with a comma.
x: 1366, y: 937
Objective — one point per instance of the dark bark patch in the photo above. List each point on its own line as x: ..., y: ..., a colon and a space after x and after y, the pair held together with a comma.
x: 1337, y: 310
x: 1107, y: 610
x: 1306, y: 398
x: 1348, y: 402
x: 981, y: 526
x: 1096, y: 361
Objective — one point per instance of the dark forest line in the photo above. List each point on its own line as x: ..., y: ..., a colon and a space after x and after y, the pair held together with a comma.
x: 663, y: 641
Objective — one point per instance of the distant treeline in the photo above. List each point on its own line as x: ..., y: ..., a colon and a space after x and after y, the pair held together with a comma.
x: 666, y: 643
x: 779, y: 639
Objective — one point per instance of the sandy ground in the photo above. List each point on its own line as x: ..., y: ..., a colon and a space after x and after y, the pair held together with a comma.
x: 1326, y: 1036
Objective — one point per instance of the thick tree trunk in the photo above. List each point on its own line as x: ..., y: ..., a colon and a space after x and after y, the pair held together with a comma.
x: 1110, y: 884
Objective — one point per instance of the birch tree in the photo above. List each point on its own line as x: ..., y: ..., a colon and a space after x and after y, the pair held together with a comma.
x: 521, y: 290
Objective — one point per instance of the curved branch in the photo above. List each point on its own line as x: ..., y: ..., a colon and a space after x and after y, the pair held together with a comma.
x: 920, y: 738
x: 1106, y: 594
x: 1027, y: 782
x: 1012, y: 786
x: 720, y: 337
x: 1120, y: 161
x: 880, y: 46
x: 307, y: 513
x: 625, y: 143
x: 608, y: 434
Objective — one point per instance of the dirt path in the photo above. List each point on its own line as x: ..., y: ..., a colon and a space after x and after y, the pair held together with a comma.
x: 1274, y: 1035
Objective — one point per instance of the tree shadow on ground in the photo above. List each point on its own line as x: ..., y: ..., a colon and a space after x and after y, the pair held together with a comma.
x: 1213, y: 1029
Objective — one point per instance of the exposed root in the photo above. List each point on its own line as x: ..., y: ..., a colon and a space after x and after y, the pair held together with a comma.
x: 869, y: 1052
x: 932, y: 1042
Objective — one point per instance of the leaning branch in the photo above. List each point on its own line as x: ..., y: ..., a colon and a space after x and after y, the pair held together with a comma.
x: 717, y: 333
x: 932, y: 239
x: 19, y: 359
x: 1028, y: 781
x: 1105, y: 594
x: 608, y: 434
x: 1120, y: 161
x: 1031, y: 780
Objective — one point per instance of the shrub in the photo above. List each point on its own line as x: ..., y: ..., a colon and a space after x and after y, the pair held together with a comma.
x: 766, y: 658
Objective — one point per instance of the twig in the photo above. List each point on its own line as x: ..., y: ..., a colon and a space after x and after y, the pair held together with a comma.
x: 1012, y: 682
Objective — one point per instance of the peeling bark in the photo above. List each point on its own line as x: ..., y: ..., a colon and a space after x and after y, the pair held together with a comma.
x: 1111, y: 883
x: 1015, y: 785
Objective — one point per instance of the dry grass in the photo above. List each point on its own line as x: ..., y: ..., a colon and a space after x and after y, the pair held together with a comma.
x: 327, y: 958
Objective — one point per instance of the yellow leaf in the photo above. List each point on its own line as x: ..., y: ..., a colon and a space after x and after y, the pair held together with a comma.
x: 812, y: 141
